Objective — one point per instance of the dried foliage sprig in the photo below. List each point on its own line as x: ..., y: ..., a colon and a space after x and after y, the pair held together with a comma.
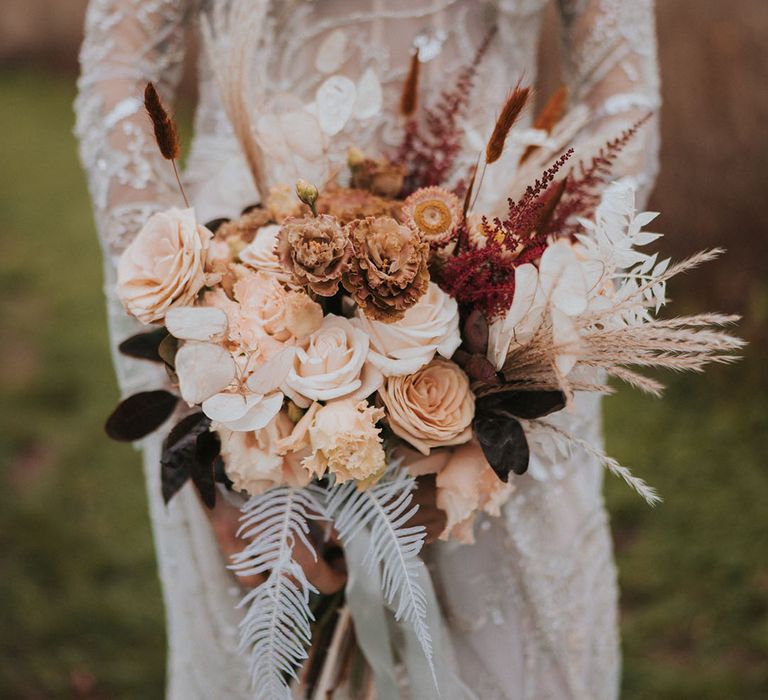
x: 166, y: 134
x: 587, y: 181
x: 429, y: 149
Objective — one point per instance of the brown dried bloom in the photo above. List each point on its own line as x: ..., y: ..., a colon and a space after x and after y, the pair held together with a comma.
x: 316, y: 250
x: 388, y: 272
x: 379, y: 177
x: 244, y: 227
x: 350, y: 204
x: 435, y: 212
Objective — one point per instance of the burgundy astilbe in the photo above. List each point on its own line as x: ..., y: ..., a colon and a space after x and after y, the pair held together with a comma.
x: 430, y: 147
x: 484, y: 277
x: 586, y: 183
x: 481, y: 278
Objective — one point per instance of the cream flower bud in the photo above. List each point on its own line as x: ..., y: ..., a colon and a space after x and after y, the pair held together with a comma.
x: 307, y: 193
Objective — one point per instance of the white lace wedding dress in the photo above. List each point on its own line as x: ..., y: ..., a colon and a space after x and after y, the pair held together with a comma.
x: 532, y: 607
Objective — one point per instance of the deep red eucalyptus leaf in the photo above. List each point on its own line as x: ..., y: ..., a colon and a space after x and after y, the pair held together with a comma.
x: 503, y: 442
x: 167, y: 351
x: 202, y: 470
x: 480, y: 367
x: 476, y: 332
x: 179, y: 453
x: 523, y: 404
x: 140, y: 414
x: 144, y: 346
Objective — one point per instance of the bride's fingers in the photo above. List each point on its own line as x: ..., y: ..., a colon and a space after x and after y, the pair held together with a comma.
x: 320, y: 574
x: 225, y: 520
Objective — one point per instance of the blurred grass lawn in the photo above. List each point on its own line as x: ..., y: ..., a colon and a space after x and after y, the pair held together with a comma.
x: 80, y: 608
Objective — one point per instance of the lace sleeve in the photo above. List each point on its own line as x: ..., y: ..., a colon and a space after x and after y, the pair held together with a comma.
x: 611, y: 66
x: 127, y: 43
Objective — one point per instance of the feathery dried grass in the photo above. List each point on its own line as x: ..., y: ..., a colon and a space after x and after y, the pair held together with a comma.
x: 410, y: 96
x: 508, y: 116
x: 164, y: 127
x: 233, y: 36
x: 549, y: 116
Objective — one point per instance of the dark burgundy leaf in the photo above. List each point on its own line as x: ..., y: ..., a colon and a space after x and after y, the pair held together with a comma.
x: 476, y: 332
x: 214, y: 224
x: 480, y: 367
x: 167, y: 351
x: 250, y: 208
x: 503, y: 442
x: 179, y: 453
x: 144, y: 346
x: 523, y: 404
x: 202, y: 470
x: 171, y: 480
x: 220, y: 474
x: 140, y: 414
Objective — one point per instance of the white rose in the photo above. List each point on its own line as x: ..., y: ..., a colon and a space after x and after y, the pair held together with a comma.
x: 331, y: 363
x: 164, y: 265
x: 431, y: 325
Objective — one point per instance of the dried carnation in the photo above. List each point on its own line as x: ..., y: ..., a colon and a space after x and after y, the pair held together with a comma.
x: 316, y: 250
x: 387, y: 273
x: 436, y: 213
x: 350, y: 204
x: 379, y: 177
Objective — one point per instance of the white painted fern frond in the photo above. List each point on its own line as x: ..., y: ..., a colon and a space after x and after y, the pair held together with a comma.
x: 275, y: 630
x: 385, y: 509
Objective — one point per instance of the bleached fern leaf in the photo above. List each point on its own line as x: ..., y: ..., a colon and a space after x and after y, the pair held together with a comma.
x: 275, y: 631
x: 385, y: 509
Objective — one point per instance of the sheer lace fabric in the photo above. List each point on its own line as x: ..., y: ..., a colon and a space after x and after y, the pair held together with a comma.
x: 532, y: 607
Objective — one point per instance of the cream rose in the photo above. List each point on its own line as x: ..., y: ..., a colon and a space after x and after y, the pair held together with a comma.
x: 433, y: 407
x: 432, y: 325
x: 164, y: 266
x: 345, y: 441
x: 261, y: 253
x: 331, y: 364
x: 252, y: 462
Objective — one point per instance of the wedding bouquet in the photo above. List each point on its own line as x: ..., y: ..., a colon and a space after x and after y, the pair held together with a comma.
x: 341, y: 339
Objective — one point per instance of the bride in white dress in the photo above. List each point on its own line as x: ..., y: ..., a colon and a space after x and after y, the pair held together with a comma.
x: 531, y: 608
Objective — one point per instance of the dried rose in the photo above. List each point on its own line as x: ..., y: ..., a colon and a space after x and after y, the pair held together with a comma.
x: 316, y: 250
x: 350, y: 204
x: 387, y: 272
x: 378, y: 176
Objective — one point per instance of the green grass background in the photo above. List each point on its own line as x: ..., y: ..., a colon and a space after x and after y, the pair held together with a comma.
x: 80, y: 608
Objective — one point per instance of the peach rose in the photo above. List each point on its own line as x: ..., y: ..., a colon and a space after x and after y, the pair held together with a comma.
x: 345, y: 441
x: 466, y: 485
x: 252, y: 462
x: 331, y: 364
x: 432, y: 325
x: 433, y: 407
x: 164, y: 266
